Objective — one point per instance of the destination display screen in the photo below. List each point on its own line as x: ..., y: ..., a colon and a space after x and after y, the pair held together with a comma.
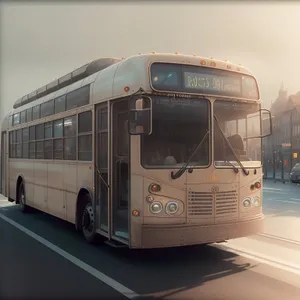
x: 202, y: 80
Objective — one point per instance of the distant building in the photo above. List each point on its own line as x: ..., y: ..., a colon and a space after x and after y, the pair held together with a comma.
x: 283, y: 146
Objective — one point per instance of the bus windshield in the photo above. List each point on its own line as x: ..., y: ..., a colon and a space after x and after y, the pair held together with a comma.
x: 241, y: 123
x: 177, y: 128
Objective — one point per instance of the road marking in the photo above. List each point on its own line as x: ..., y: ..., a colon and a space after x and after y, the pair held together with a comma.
x: 267, y: 188
x: 275, y: 192
x: 274, y: 262
x: 284, y: 201
x: 102, y: 277
x: 275, y: 237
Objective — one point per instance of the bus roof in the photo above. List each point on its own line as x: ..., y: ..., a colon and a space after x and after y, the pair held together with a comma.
x: 80, y: 73
x: 111, y: 75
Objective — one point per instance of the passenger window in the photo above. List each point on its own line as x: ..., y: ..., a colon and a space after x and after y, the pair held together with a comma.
x: 79, y: 97
x: 25, y: 134
x: 85, y: 122
x: 85, y: 147
x: 58, y: 128
x: 60, y: 104
x: 16, y: 119
x: 32, y: 133
x: 29, y: 114
x: 36, y: 112
x: 47, y: 109
x: 39, y: 132
x: 40, y: 150
x: 48, y: 130
x: 58, y: 148
x: 70, y: 126
x: 32, y: 150
x: 70, y: 148
x: 49, y: 149
x: 23, y: 116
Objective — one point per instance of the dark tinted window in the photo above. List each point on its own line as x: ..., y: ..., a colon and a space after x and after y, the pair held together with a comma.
x: 36, y: 112
x: 85, y: 147
x: 48, y: 130
x: 29, y: 114
x: 58, y: 128
x: 70, y: 148
x: 32, y: 133
x: 19, y: 136
x: 16, y: 119
x: 32, y: 150
x: 70, y: 126
x: 48, y: 149
x: 47, y: 109
x: 19, y: 150
x: 60, y: 104
x: 40, y: 150
x: 39, y: 132
x: 58, y: 148
x: 25, y: 134
x: 25, y: 151
x: 85, y: 122
x: 78, y: 97
x: 23, y: 116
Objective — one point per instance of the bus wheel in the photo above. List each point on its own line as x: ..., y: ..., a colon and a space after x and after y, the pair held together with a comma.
x: 88, y: 221
x: 21, y: 198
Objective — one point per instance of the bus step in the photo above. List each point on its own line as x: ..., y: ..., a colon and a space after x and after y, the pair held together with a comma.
x: 115, y: 244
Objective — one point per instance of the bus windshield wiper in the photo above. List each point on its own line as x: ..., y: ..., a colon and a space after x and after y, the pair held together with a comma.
x: 235, y: 169
x: 184, y: 167
x: 246, y: 172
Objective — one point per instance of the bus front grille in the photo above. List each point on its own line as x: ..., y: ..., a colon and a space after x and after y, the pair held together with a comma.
x: 208, y: 204
x: 226, y: 203
x: 200, y: 204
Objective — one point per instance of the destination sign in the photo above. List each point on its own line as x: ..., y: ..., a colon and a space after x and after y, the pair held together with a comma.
x: 211, y: 83
x: 202, y: 80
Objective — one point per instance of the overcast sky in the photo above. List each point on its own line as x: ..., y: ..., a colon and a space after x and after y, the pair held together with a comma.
x: 42, y: 42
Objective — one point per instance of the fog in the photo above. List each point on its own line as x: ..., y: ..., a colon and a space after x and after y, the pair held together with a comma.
x: 42, y: 42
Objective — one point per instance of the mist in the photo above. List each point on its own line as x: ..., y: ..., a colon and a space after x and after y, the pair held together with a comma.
x: 42, y: 42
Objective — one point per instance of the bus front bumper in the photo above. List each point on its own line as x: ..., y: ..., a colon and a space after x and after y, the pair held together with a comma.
x: 173, y: 236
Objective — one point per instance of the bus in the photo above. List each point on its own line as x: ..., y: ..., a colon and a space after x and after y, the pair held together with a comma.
x: 151, y: 151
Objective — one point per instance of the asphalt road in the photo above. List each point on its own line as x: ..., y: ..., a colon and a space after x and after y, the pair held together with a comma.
x: 29, y: 269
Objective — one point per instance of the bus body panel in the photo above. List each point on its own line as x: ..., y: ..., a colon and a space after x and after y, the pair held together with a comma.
x: 53, y: 185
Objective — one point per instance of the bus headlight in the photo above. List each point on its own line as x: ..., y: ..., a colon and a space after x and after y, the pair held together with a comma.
x: 247, y: 202
x: 255, y: 201
x: 172, y: 208
x: 156, y: 207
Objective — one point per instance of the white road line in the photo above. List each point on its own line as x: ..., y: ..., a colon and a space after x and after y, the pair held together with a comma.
x: 267, y: 188
x: 271, y: 236
x: 102, y: 277
x: 275, y: 192
x: 283, y: 201
x: 271, y: 261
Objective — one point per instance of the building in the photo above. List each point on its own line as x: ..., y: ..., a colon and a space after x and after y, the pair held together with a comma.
x: 281, y: 150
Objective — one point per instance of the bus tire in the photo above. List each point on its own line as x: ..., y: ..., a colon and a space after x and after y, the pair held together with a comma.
x: 87, y: 221
x: 22, y: 198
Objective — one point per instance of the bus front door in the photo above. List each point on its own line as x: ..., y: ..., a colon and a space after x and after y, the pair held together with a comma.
x: 120, y: 170
x: 3, y: 163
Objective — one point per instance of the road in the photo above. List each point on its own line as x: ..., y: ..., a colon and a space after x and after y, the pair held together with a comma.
x: 43, y: 257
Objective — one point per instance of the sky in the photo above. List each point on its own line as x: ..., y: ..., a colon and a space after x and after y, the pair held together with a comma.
x: 41, y: 42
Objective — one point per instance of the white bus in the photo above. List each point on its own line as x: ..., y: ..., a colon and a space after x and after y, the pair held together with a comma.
x: 156, y: 150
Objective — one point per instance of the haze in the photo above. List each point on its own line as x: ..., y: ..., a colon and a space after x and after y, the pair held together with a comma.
x: 42, y: 42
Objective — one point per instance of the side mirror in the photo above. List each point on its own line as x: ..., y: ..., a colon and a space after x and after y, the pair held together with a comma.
x: 140, y: 116
x: 266, y: 123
